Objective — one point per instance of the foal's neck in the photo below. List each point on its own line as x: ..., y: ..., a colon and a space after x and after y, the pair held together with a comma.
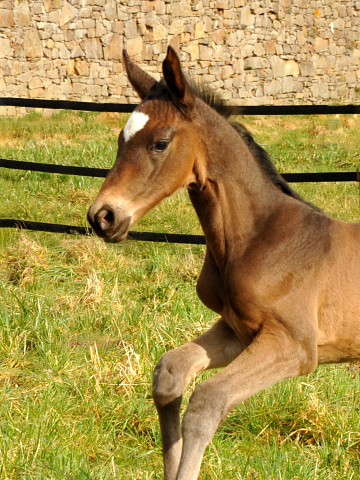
x: 236, y: 195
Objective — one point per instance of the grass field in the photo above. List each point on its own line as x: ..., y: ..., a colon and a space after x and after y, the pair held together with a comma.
x: 83, y: 323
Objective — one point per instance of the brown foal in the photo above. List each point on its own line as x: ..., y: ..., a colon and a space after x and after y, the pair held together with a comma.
x: 283, y: 276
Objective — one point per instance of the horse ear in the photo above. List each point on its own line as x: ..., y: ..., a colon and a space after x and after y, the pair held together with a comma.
x: 141, y: 81
x: 180, y: 91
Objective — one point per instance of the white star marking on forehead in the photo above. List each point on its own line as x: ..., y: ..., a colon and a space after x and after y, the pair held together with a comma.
x: 136, y: 122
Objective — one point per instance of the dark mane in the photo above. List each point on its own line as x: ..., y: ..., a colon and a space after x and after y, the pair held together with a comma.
x: 212, y: 99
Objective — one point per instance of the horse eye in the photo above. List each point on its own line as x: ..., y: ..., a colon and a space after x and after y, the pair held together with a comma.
x: 161, y: 146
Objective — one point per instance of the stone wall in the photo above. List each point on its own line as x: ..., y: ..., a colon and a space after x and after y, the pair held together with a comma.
x: 253, y: 52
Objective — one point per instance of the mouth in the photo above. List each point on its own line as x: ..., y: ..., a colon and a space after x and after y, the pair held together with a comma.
x: 120, y: 234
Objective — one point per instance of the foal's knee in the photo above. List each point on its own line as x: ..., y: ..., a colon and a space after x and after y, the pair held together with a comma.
x: 167, y: 380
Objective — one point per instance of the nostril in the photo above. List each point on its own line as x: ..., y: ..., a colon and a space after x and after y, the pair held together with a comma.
x: 110, y: 217
x: 105, y: 218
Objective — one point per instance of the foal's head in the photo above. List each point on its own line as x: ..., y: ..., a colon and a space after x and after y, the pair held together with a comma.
x: 157, y: 151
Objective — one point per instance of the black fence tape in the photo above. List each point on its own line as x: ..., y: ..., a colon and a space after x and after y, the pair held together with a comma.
x: 127, y: 108
x: 50, y: 168
x: 322, y: 177
x: 67, y: 105
x: 44, y: 227
x: 297, y: 110
x: 75, y: 230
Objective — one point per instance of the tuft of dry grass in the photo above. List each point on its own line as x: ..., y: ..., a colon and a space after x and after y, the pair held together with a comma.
x: 19, y: 266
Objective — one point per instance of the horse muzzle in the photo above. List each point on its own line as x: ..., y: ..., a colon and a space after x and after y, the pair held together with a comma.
x: 109, y: 223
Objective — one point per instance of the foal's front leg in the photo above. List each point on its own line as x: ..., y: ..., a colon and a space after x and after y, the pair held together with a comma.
x: 215, y: 348
x: 271, y: 357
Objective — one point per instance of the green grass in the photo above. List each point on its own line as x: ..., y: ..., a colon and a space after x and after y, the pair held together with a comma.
x: 83, y: 323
